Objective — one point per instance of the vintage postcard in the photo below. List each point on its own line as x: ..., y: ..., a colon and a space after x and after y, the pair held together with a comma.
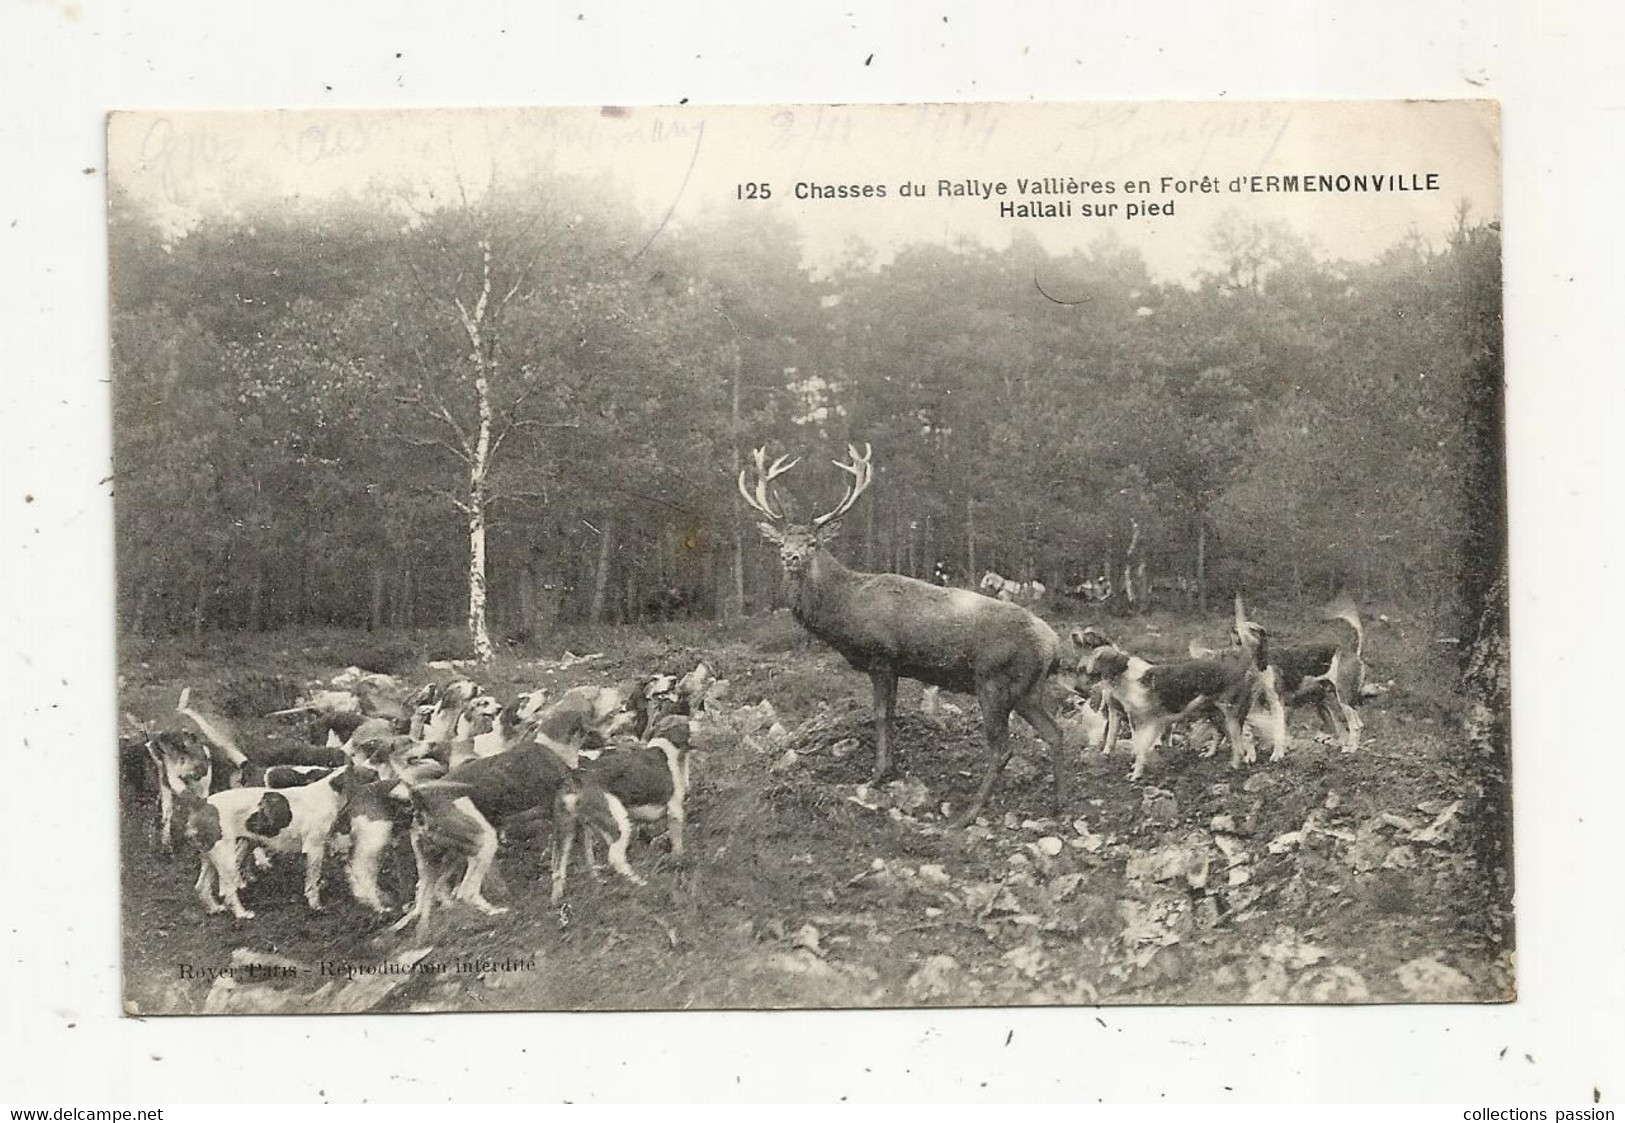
x: 811, y: 556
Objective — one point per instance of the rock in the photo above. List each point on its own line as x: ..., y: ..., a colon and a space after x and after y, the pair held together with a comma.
x: 990, y: 897
x: 1060, y: 888
x: 1399, y: 858
x: 1187, y: 859
x: 1231, y: 848
x: 1012, y: 821
x: 937, y: 978
x: 1289, y: 950
x: 1437, y: 829
x: 807, y: 937
x: 1158, y: 805
x: 1428, y: 980
x: 752, y: 719
x: 1260, y: 782
x: 935, y: 875
x: 1333, y: 801
x: 1367, y: 853
x: 909, y: 794
x: 785, y: 762
x: 1282, y: 843
x: 1020, y: 769
x: 932, y: 912
x: 1028, y: 959
x: 1166, y: 964
x: 777, y: 732
x: 1020, y: 859
x: 1329, y: 984
x: 1224, y: 823
x: 1050, y: 845
x: 1266, y: 982
x: 843, y: 747
x: 803, y: 962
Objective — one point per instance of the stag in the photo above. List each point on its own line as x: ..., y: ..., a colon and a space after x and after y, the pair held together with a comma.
x: 890, y: 626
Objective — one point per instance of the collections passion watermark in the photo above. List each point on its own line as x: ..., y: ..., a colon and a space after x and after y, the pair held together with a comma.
x: 351, y: 969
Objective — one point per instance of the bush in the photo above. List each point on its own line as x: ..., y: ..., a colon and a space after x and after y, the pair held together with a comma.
x: 379, y: 658
x: 249, y: 694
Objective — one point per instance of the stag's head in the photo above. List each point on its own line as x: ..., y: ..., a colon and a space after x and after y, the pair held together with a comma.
x: 799, y: 542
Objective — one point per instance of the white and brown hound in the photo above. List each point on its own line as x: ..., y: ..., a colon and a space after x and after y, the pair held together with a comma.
x: 379, y: 808
x: 186, y: 770
x: 455, y: 820
x: 997, y: 585
x: 585, y: 716
x: 1329, y: 675
x: 286, y: 821
x: 634, y: 783
x: 1155, y: 696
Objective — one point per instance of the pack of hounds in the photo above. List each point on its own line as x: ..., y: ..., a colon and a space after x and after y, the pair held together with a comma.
x: 451, y: 768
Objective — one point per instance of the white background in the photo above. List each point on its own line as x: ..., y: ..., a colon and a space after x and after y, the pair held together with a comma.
x: 1555, y: 66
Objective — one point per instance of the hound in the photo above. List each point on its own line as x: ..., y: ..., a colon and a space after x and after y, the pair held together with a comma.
x: 289, y: 820
x: 643, y: 782
x: 585, y: 715
x: 452, y: 698
x: 379, y: 808
x: 1001, y: 587
x: 1156, y: 696
x: 1329, y: 675
x: 454, y: 822
x: 666, y: 695
x: 185, y: 770
x: 477, y: 719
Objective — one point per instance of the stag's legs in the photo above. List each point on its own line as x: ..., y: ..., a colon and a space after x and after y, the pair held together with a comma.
x: 1033, y: 710
x: 885, y: 684
x: 996, y: 717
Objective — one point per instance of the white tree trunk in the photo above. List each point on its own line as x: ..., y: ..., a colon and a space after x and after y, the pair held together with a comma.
x: 476, y: 580
x: 479, y: 461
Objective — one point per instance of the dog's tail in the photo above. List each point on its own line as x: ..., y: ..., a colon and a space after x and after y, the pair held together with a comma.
x: 215, y: 728
x: 1342, y: 608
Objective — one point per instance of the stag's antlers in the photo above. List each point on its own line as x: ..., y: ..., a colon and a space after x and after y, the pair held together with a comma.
x: 765, y: 475
x: 861, y: 474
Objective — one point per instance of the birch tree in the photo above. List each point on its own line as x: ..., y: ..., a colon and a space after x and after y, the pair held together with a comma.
x: 481, y: 338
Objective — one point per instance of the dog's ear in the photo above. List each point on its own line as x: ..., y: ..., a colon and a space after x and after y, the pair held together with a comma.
x: 1108, y: 662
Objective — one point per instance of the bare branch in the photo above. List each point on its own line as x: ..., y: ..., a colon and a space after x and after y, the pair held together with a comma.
x: 436, y: 442
x: 439, y: 412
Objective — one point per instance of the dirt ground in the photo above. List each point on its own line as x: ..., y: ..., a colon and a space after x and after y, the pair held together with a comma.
x: 1323, y: 877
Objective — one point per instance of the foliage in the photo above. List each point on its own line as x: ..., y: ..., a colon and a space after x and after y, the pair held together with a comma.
x: 297, y: 411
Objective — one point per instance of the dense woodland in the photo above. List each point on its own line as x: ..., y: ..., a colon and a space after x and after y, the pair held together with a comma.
x: 322, y: 411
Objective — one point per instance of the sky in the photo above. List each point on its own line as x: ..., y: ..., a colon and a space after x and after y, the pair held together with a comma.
x: 685, y: 164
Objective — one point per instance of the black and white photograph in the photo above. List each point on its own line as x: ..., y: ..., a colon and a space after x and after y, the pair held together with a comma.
x: 798, y: 556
